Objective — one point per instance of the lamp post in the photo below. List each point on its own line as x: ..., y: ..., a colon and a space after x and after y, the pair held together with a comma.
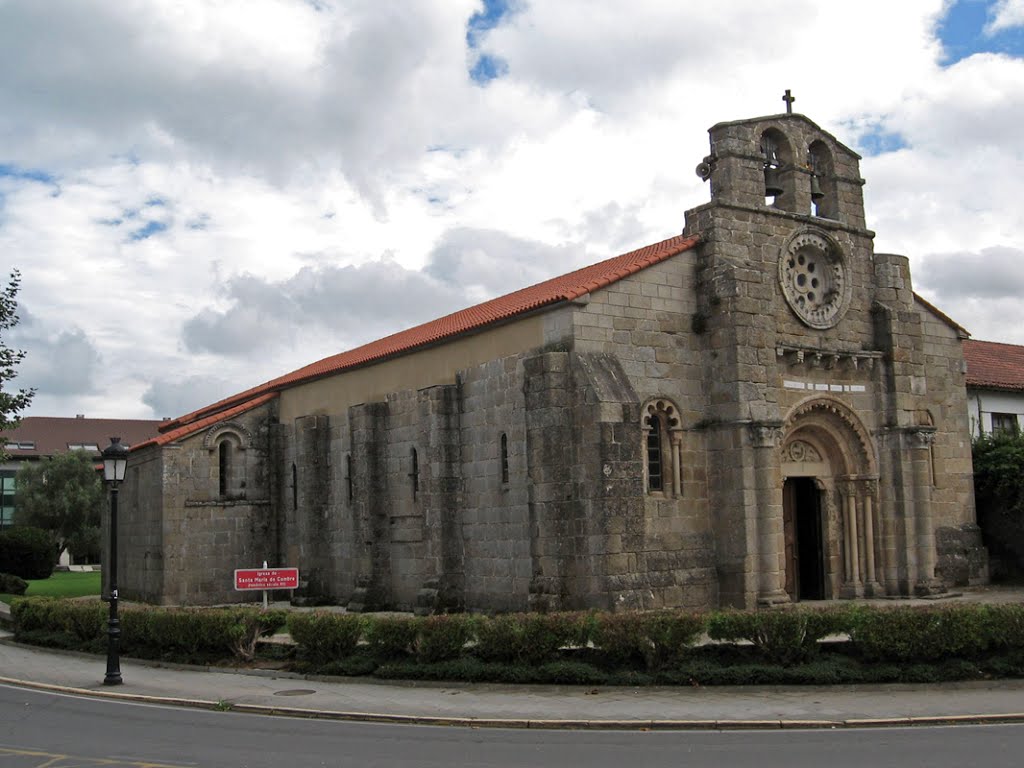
x: 115, y: 461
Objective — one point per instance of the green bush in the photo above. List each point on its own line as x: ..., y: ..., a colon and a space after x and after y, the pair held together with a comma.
x: 12, y: 585
x: 390, y: 637
x: 82, y: 620
x: 781, y: 636
x: 440, y: 638
x: 323, y: 636
x: 530, y: 638
x: 922, y: 634
x: 27, y: 552
x: 196, y: 633
x: 1004, y: 626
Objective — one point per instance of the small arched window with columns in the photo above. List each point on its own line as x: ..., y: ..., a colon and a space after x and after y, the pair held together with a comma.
x: 662, y: 445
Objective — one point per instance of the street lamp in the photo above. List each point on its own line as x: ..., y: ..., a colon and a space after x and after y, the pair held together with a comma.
x: 115, y: 461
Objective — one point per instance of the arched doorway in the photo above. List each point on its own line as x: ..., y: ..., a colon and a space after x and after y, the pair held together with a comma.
x: 802, y: 530
x: 829, y: 514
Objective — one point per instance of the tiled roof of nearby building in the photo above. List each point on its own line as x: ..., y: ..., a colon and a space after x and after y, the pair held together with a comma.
x: 992, y: 365
x: 195, y: 426
x: 554, y: 291
x: 40, y: 436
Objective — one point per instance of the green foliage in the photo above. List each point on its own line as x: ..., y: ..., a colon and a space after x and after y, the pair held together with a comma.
x: 999, y: 496
x: 654, y: 639
x: 197, y: 633
x: 440, y: 638
x: 922, y: 634
x: 323, y: 636
x: 443, y: 637
x: 12, y: 585
x: 529, y: 638
x: 11, y: 403
x: 390, y: 637
x: 62, y: 495
x: 82, y: 620
x: 781, y: 636
x: 26, y: 552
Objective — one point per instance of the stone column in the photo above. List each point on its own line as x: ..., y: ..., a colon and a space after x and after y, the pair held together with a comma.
x: 766, y: 437
x: 921, y: 439
x: 676, y: 437
x: 872, y: 585
x: 854, y: 586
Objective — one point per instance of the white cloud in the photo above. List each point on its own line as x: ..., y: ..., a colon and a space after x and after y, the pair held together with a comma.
x: 222, y: 187
x: 1005, y: 14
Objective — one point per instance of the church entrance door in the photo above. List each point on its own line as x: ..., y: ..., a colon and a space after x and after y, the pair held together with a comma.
x: 802, y: 531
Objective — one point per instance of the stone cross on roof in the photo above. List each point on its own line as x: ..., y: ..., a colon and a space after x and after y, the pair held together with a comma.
x: 789, y: 99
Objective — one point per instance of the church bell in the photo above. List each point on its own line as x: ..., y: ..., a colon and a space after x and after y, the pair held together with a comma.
x: 816, y: 193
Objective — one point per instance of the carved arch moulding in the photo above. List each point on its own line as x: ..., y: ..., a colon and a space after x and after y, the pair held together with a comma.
x: 836, y: 419
x: 233, y: 428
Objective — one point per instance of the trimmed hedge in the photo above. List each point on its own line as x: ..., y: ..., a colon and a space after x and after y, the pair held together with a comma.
x: 950, y: 642
x: 27, y: 552
x: 188, y: 633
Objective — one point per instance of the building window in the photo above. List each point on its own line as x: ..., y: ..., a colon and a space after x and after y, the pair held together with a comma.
x: 415, y: 474
x: 1004, y: 423
x: 348, y: 472
x: 224, y: 467
x: 295, y: 487
x: 504, y: 458
x: 662, y: 438
x: 654, y: 453
x: 6, y: 498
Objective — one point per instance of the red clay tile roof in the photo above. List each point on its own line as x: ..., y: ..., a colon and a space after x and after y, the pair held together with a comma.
x: 51, y: 435
x: 556, y: 290
x: 195, y: 426
x: 991, y: 365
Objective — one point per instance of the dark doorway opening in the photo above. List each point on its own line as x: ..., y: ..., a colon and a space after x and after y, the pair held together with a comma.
x: 805, y: 560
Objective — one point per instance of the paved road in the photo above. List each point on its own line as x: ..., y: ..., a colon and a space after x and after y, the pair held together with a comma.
x: 59, y: 731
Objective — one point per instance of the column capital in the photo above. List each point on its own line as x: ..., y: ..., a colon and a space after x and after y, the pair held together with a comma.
x: 766, y: 434
x: 920, y: 436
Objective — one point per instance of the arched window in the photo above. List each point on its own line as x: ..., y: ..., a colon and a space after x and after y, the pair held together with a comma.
x: 504, y: 458
x: 224, y: 467
x: 824, y: 197
x: 662, y: 443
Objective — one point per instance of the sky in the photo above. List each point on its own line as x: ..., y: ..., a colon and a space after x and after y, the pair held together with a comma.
x: 202, y: 195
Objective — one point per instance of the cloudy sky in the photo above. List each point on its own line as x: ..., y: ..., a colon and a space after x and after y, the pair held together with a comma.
x: 203, y: 194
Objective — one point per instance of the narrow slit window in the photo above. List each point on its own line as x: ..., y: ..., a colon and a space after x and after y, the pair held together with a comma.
x: 348, y: 472
x: 224, y: 467
x: 415, y: 474
x: 295, y: 487
x: 504, y: 458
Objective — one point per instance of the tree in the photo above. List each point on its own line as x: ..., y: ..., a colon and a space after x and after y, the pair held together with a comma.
x: 11, y: 403
x: 999, y: 500
x: 62, y: 495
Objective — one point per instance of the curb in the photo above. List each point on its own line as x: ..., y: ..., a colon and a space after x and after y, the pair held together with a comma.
x: 521, y: 723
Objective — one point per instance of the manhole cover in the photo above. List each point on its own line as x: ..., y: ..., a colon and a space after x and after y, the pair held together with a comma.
x: 295, y: 692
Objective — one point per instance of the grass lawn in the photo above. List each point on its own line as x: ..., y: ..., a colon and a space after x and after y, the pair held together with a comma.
x: 62, y: 584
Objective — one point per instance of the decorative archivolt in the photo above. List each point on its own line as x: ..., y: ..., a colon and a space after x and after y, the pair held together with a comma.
x: 840, y: 423
x: 227, y: 428
x: 664, y: 409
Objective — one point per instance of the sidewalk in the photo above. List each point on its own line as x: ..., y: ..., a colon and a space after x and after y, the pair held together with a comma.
x: 517, y: 706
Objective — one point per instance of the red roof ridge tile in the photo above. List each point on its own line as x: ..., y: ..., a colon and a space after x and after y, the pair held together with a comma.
x: 566, y: 287
x: 194, y: 426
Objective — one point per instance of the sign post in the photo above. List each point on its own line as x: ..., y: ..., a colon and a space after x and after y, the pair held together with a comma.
x: 266, y: 578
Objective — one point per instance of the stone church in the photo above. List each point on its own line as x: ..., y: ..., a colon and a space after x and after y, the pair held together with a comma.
x: 758, y: 410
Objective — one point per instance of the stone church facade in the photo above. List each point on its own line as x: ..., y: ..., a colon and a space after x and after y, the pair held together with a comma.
x: 758, y: 410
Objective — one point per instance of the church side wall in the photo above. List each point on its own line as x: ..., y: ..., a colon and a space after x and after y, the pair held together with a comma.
x: 645, y: 322
x: 203, y: 536
x: 496, y: 519
x: 140, y: 544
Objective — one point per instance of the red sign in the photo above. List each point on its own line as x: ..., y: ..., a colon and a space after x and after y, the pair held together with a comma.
x: 267, y: 578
